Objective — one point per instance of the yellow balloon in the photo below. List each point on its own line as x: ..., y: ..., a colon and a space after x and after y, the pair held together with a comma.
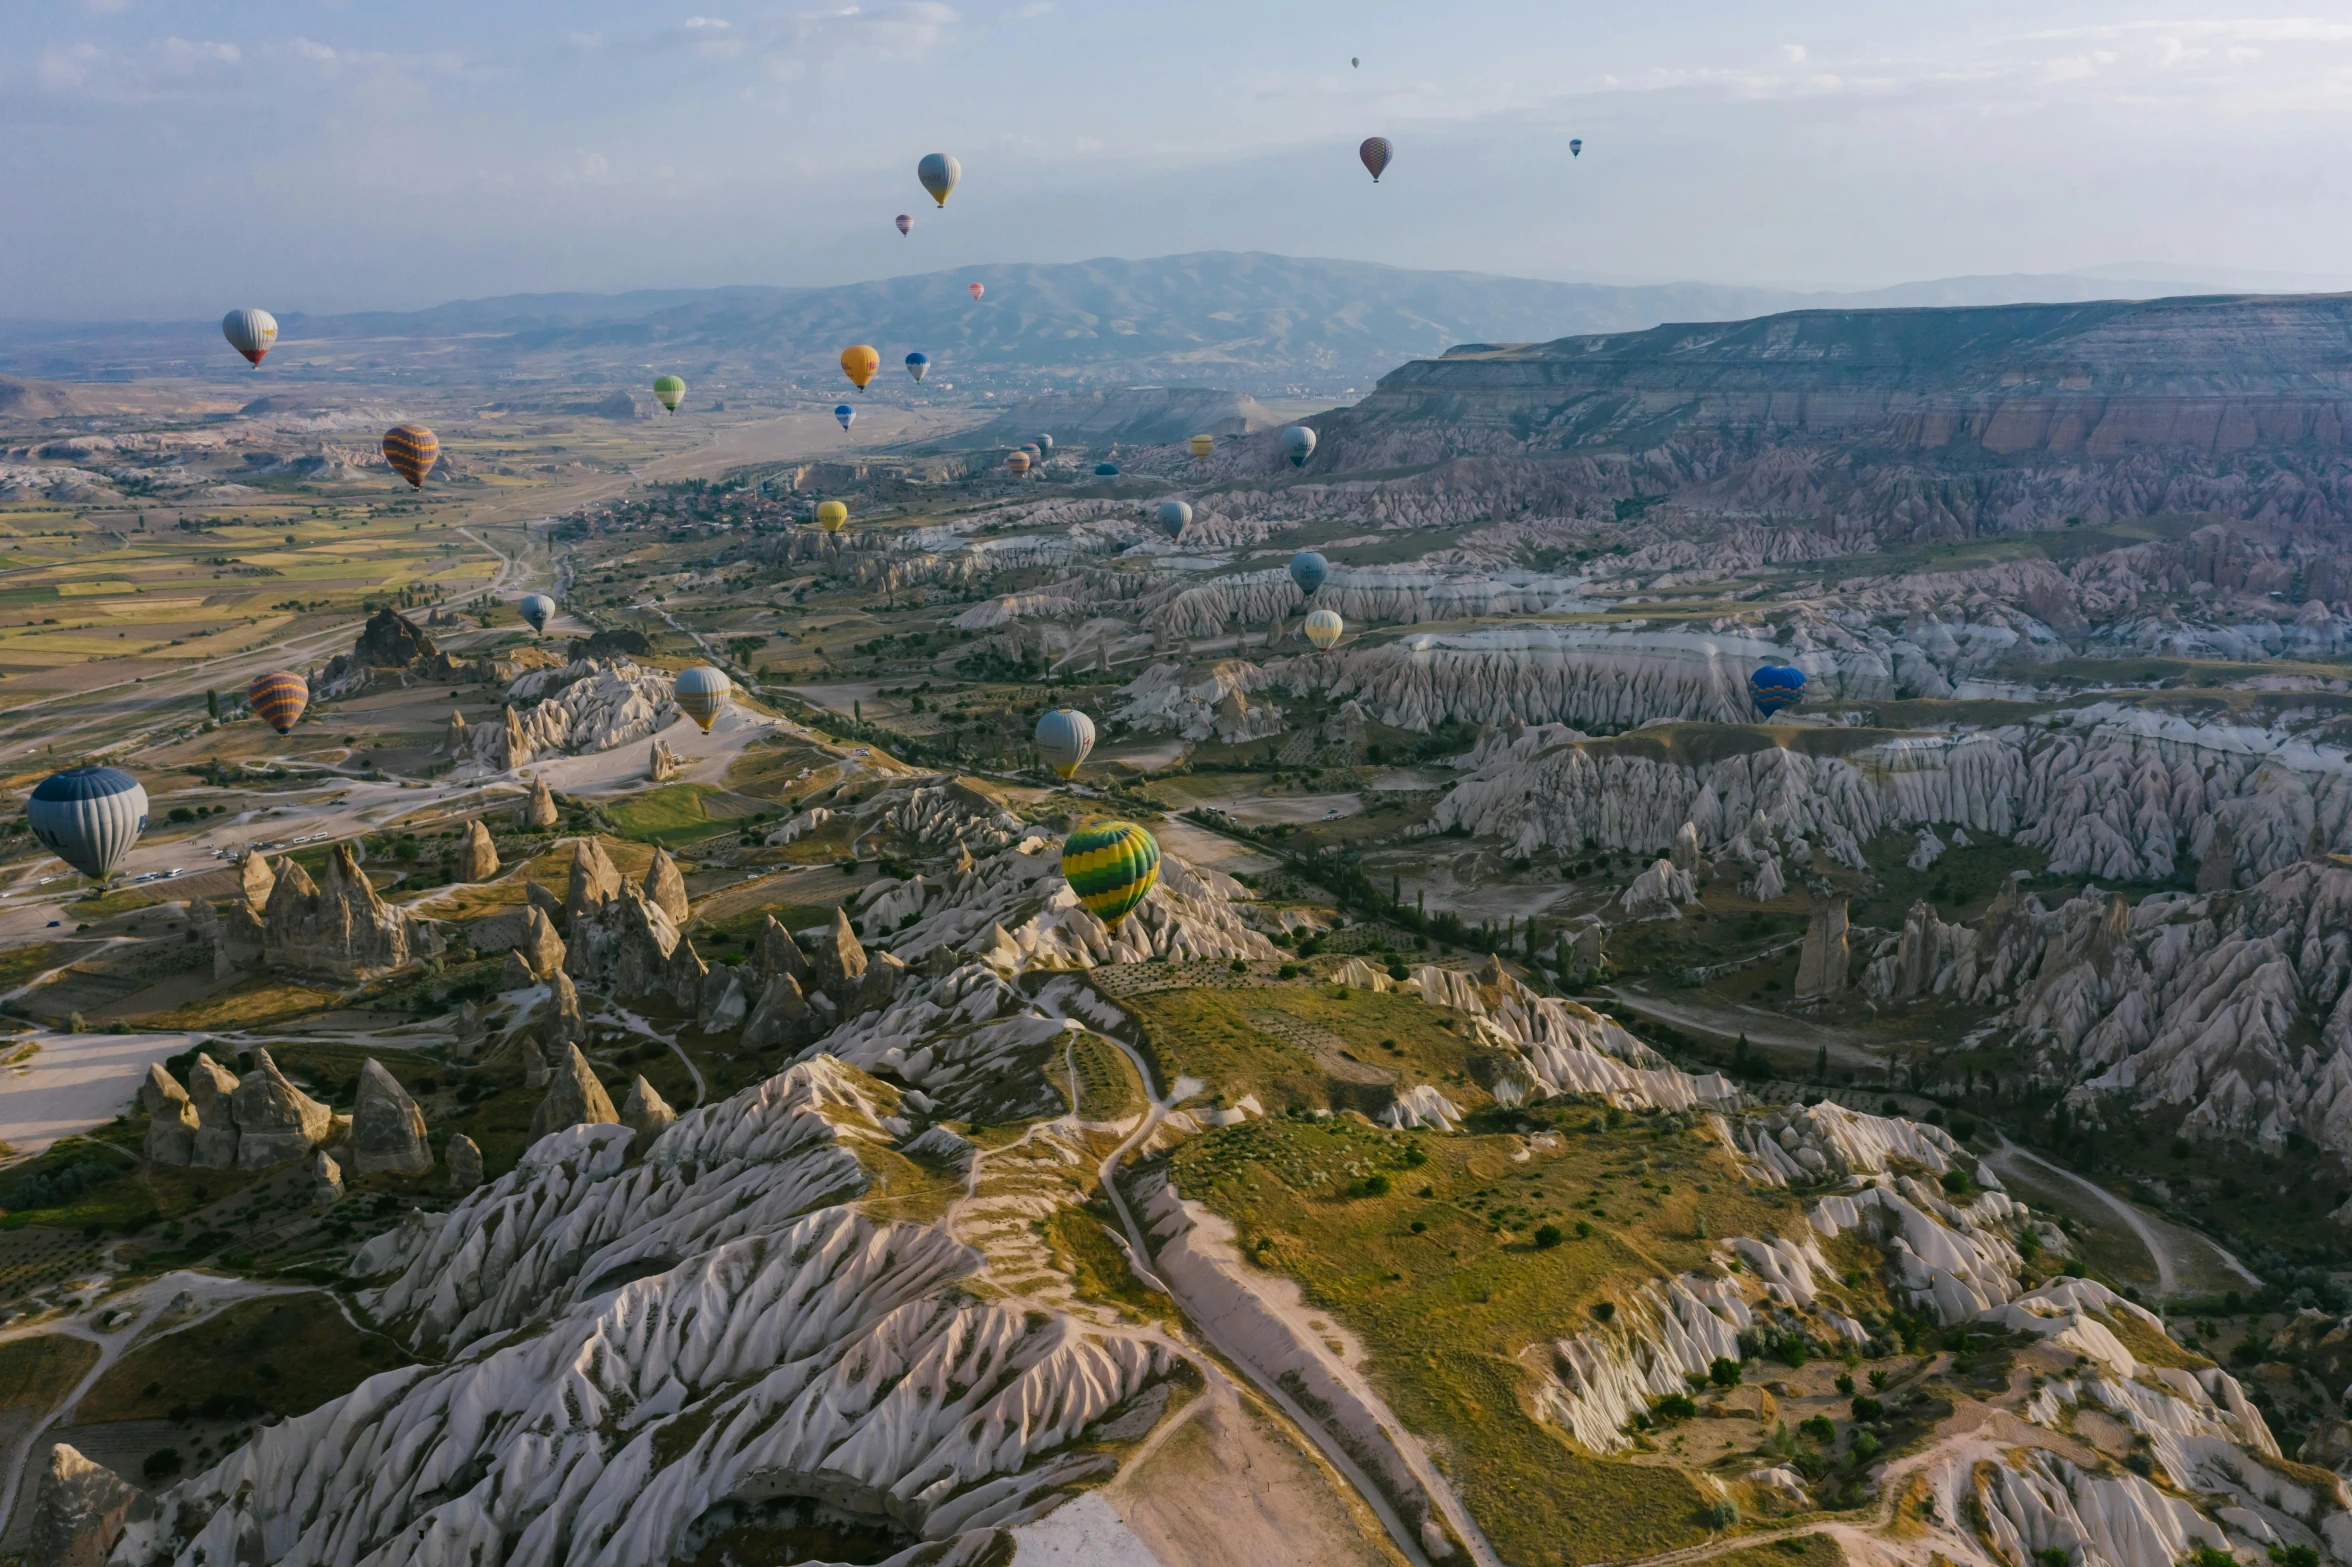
x: 859, y: 363
x: 831, y: 515
x: 1323, y: 628
x: 1202, y: 445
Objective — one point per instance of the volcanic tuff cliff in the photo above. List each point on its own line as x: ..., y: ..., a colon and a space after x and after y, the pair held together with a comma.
x: 1935, y: 422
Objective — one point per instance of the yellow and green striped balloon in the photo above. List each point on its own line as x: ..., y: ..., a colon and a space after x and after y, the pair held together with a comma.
x: 670, y: 390
x: 1111, y: 866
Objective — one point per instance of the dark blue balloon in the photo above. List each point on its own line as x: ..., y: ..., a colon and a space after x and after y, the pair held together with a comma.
x: 1308, y: 569
x: 1776, y: 686
x: 1106, y: 470
x: 88, y: 817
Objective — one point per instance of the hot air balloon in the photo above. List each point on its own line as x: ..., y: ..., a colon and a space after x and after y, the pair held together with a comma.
x: 1045, y: 443
x: 1202, y: 445
x: 1106, y: 470
x: 831, y: 515
x: 859, y: 363
x: 702, y: 694
x: 538, y: 609
x: 1112, y: 866
x: 1035, y: 454
x: 1308, y: 569
x: 916, y: 364
x: 251, y: 333
x: 670, y: 390
x: 975, y: 289
x: 1064, y: 736
x: 939, y: 173
x: 1173, y: 517
x: 905, y: 222
x: 1298, y: 444
x: 846, y: 414
x: 1376, y: 152
x: 1575, y: 146
x: 1018, y: 462
x: 88, y: 817
x: 411, y: 450
x: 1323, y: 628
x: 1776, y: 686
x: 1356, y: 60
x: 279, y: 699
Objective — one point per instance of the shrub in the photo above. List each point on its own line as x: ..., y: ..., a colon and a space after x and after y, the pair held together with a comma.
x: 2290, y: 1555
x: 1845, y: 1384
x: 1238, y: 966
x: 1719, y: 1515
x: 1373, y: 1186
x: 1818, y: 1428
x: 1868, y: 1409
x: 1288, y: 971
x: 1547, y: 1236
x: 2056, y: 1556
x: 1416, y: 1156
x: 1603, y: 1310
x: 1724, y: 1371
x: 1583, y: 1230
x: 2145, y: 1467
x: 1865, y: 1444
x: 1674, y: 1406
x: 161, y: 1464
x: 1956, y: 1182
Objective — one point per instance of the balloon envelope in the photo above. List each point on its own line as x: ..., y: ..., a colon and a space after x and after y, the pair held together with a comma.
x: 1308, y: 569
x: 670, y: 390
x: 1064, y: 736
x: 1202, y: 445
x: 538, y: 609
x: 1575, y: 146
x: 1106, y: 470
x: 411, y: 450
x: 1173, y: 517
x: 831, y: 515
x: 88, y: 817
x: 702, y: 693
x: 1376, y: 152
x: 250, y: 332
x: 1324, y: 627
x: 1776, y: 686
x: 1018, y: 462
x: 1112, y: 866
x: 905, y: 222
x: 939, y: 173
x: 279, y: 699
x: 975, y: 289
x: 1298, y: 444
x: 918, y: 363
x: 859, y: 363
x: 846, y: 414
x: 1356, y: 60
x: 1045, y: 443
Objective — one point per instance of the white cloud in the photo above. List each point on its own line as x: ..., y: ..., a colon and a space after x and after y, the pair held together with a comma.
x: 305, y: 49
x: 1794, y: 54
x: 700, y: 23
x: 69, y: 67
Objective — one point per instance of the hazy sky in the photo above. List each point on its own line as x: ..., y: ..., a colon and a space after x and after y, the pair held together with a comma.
x: 176, y: 158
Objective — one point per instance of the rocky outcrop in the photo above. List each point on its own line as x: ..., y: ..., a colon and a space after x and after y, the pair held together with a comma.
x: 1658, y: 892
x: 390, y: 645
x: 666, y: 888
x: 387, y: 1128
x: 326, y: 1179
x: 594, y: 704
x: 646, y: 1114
x: 566, y: 1023
x: 78, y: 1512
x: 661, y: 763
x: 337, y: 929
x: 255, y: 879
x: 538, y: 813
x: 477, y: 856
x: 1822, y: 959
x: 462, y: 1162
x: 276, y: 1122
x: 595, y: 881
x: 454, y: 739
x: 574, y: 1098
x: 211, y: 1091
x: 541, y: 949
x: 171, y: 1119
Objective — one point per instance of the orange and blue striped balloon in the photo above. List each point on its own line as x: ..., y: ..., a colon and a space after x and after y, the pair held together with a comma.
x: 279, y: 699
x: 411, y: 450
x: 1112, y: 866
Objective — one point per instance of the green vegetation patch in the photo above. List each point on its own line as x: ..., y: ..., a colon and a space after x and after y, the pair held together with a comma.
x: 1448, y: 1257
x: 37, y: 1372
x: 670, y: 815
x: 1305, y: 1046
x: 1085, y: 1249
x: 283, y: 1355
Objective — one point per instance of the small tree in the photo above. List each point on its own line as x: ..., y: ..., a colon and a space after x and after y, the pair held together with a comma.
x: 212, y: 704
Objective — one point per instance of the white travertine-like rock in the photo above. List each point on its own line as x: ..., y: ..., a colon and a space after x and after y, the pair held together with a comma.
x: 590, y: 705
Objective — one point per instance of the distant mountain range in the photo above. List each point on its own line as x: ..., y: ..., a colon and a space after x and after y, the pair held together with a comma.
x: 1254, y: 322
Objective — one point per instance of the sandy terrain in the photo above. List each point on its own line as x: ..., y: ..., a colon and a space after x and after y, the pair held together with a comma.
x: 75, y: 1082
